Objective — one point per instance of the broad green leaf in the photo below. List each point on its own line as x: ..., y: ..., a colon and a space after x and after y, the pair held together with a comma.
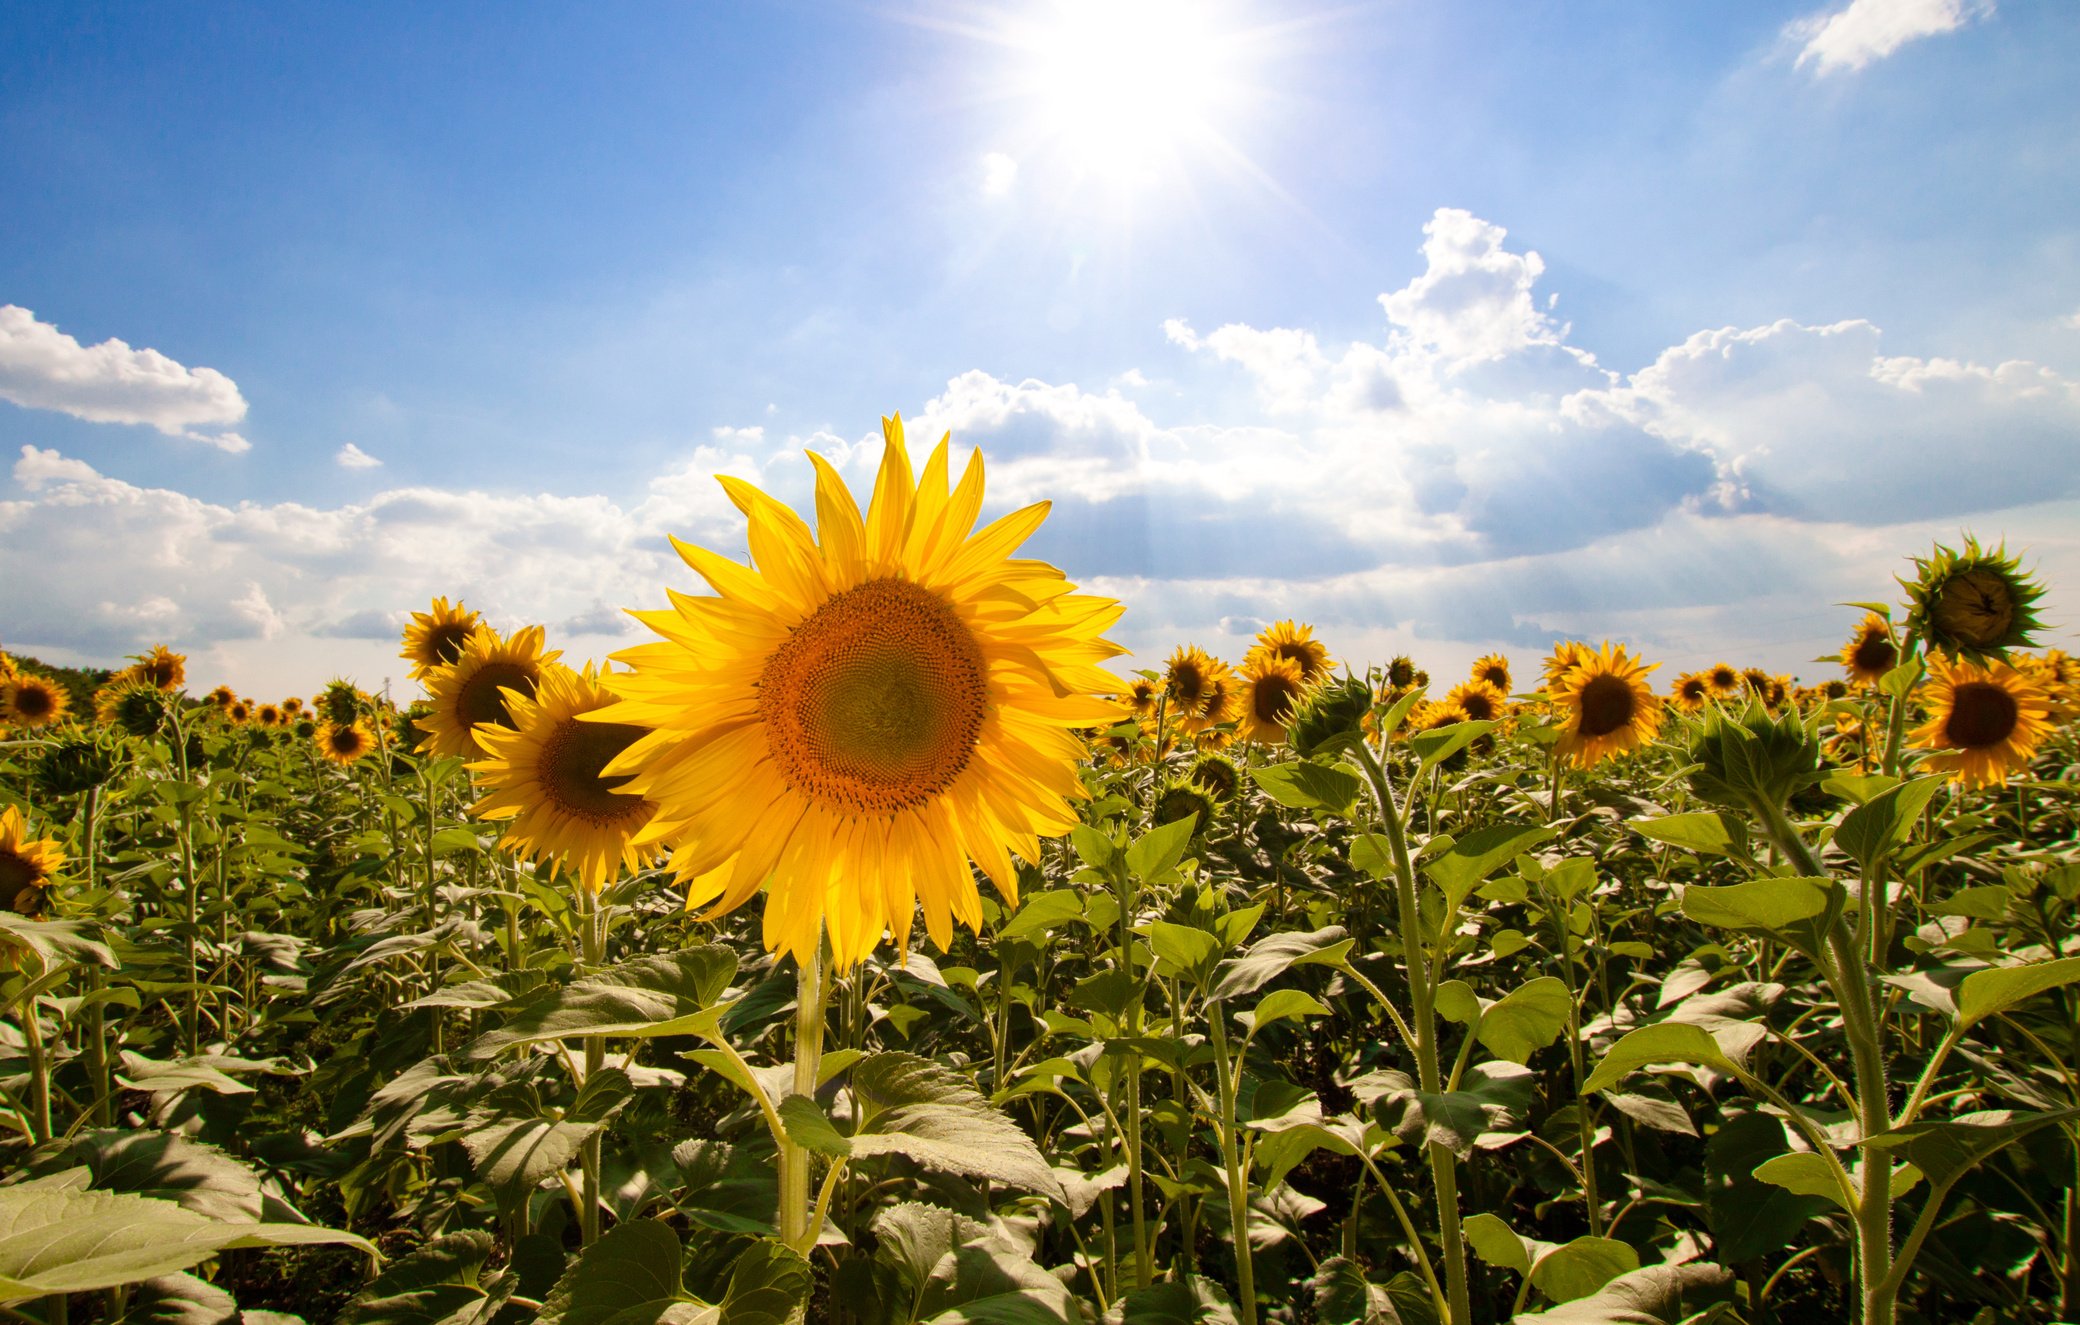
x: 1901, y: 680
x: 1271, y: 956
x: 55, y: 943
x: 1372, y: 854
x: 1286, y: 1004
x: 1528, y: 1018
x: 1495, y: 1242
x: 1041, y: 912
x: 769, y: 1285
x: 1456, y: 1002
x: 1663, y: 1042
x: 447, y: 1281
x: 1872, y: 830
x: 514, y: 1155
x: 1998, y: 988
x: 1986, y: 901
x: 1156, y: 852
x: 1486, y: 1110
x: 1582, y: 1267
x: 808, y: 1127
x: 1191, y: 1302
x: 1706, y: 832
x: 665, y: 994
x: 1183, y: 951
x: 1655, y: 1295
x: 1805, y: 1174
x: 59, y: 1238
x: 1342, y: 1294
x: 1752, y: 1219
x: 630, y: 1274
x: 1793, y: 911
x: 1307, y: 786
x: 931, y: 1114
x: 1480, y: 853
x: 169, y: 1167
x: 1438, y: 744
x: 1945, y: 1151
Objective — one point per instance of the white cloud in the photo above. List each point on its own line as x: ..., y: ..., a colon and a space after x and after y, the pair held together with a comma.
x: 2070, y: 321
x: 1865, y: 31
x: 43, y: 368
x: 1473, y: 302
x: 999, y: 174
x: 351, y: 456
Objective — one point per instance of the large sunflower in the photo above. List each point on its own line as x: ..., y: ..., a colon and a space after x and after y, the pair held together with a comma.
x: 1607, y: 707
x: 472, y: 689
x: 1494, y: 669
x: 26, y: 866
x: 28, y: 700
x: 1481, y: 701
x: 1296, y: 643
x: 1271, y: 690
x: 879, y: 702
x: 435, y: 637
x: 161, y: 669
x: 1870, y: 652
x: 344, y: 742
x: 544, y: 774
x: 1986, y: 720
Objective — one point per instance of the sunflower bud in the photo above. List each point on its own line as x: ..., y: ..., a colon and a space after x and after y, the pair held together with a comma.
x: 1401, y: 673
x: 1752, y: 759
x: 1973, y: 604
x: 134, y: 705
x: 1181, y: 800
x: 1330, y: 718
x: 1217, y: 776
x: 76, y: 764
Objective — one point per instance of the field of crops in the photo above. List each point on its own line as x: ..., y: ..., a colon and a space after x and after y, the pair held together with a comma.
x: 1294, y: 989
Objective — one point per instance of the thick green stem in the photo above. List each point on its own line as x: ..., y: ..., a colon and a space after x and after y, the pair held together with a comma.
x: 1144, y: 1261
x: 1226, y: 1073
x: 808, y: 1058
x: 102, y: 1112
x: 589, y: 1155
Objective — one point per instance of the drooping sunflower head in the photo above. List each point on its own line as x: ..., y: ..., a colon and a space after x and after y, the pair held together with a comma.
x: 78, y: 762
x: 867, y: 709
x: 1272, y: 687
x: 1182, y: 800
x: 1217, y: 776
x: 1692, y: 691
x: 1727, y: 681
x: 1191, y: 679
x: 1494, y: 669
x: 1401, y: 672
x: 1973, y: 604
x: 435, y: 637
x: 27, y: 865
x: 1986, y: 720
x: 545, y: 776
x: 133, y: 704
x: 31, y: 701
x: 305, y: 728
x: 341, y: 702
x: 1607, y: 706
x: 1295, y: 643
x: 344, y: 742
x: 474, y: 688
x: 1481, y: 701
x: 161, y: 669
x: 1871, y: 651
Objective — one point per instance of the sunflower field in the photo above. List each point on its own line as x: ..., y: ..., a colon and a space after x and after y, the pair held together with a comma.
x: 864, y: 948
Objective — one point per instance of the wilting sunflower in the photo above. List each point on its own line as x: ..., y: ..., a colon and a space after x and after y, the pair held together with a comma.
x: 1480, y: 701
x: 1973, y: 604
x: 344, y: 742
x: 435, y: 637
x: 1494, y: 669
x: 472, y: 689
x: 161, y: 669
x: 1692, y: 691
x: 1192, y: 680
x: 1870, y: 652
x: 1607, y: 706
x: 1271, y: 690
x: 876, y: 704
x: 1296, y: 643
x: 1986, y: 720
x: 26, y: 865
x: 31, y: 701
x: 1727, y: 681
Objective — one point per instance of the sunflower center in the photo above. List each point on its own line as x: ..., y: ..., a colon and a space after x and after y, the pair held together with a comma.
x: 344, y: 740
x: 570, y: 764
x: 1875, y: 653
x: 1982, y: 715
x: 1977, y: 608
x: 444, y: 642
x: 874, y: 703
x: 1607, y: 705
x: 1478, y: 706
x: 1273, y: 697
x: 1187, y: 684
x: 17, y: 876
x: 480, y: 700
x: 1694, y: 691
x: 33, y: 702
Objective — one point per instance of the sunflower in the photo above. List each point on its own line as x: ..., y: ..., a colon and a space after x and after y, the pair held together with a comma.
x: 131, y: 703
x: 435, y: 637
x: 1271, y: 689
x: 1401, y: 672
x: 161, y: 669
x: 341, y: 702
x: 270, y: 715
x: 1217, y: 776
x: 1429, y: 716
x: 876, y: 704
x: 343, y: 742
x: 31, y: 701
x: 223, y: 697
x: 1975, y: 603
x: 305, y: 728
x: 1565, y: 657
x: 1181, y: 800
x: 1480, y: 701
x: 1987, y: 717
x: 1295, y: 643
x: 472, y: 689
x: 1727, y: 681
x: 1191, y: 681
x: 26, y: 866
x: 543, y: 774
x: 239, y: 710
x: 292, y: 706
x: 1692, y: 691
x: 1608, y: 706
x: 1494, y: 669
x: 1870, y: 652
x: 1141, y: 697
x: 2059, y: 676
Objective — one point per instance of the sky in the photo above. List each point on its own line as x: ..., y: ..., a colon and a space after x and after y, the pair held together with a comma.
x: 1446, y: 326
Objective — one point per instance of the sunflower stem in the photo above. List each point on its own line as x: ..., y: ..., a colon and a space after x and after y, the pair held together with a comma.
x: 589, y: 1154
x: 808, y: 1057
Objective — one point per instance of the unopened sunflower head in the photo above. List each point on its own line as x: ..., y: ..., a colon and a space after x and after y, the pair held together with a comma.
x: 1217, y: 776
x: 1401, y: 672
x: 341, y: 702
x: 1330, y: 717
x: 1749, y: 758
x: 78, y: 762
x: 1973, y: 604
x: 1181, y: 800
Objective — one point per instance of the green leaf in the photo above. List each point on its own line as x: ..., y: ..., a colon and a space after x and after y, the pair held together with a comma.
x: 1094, y: 848
x: 56, y: 1237
x: 1527, y: 1019
x: 769, y: 1285
x: 1491, y: 1102
x: 1871, y: 831
x: 1793, y: 911
x: 631, y: 1274
x: 1805, y: 1174
x: 1480, y: 853
x: 1656, y: 1295
x: 55, y: 943
x: 448, y: 1281
x: 1308, y: 786
x: 1438, y: 744
x: 1372, y: 854
x: 666, y: 994
x: 1342, y: 1294
x: 1996, y: 989
x: 1582, y: 1267
x: 1495, y: 1242
x: 808, y: 1127
x: 1183, y: 951
x: 1195, y: 1301
x: 916, y: 1108
x: 1946, y: 1151
x: 1156, y: 852
x: 1663, y: 1042
x: 1751, y: 1219
x: 1456, y: 1002
x: 1041, y: 912
x: 168, y: 1167
x: 1901, y: 680
x: 1274, y: 954
x: 1285, y: 1004
x: 1986, y: 901
x: 1705, y: 832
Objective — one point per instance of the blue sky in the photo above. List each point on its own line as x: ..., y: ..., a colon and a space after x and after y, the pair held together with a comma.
x: 1446, y: 325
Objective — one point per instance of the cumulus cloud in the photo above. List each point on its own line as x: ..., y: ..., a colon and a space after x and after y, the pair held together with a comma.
x: 1473, y: 302
x: 1865, y: 31
x: 351, y: 456
x: 43, y: 368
